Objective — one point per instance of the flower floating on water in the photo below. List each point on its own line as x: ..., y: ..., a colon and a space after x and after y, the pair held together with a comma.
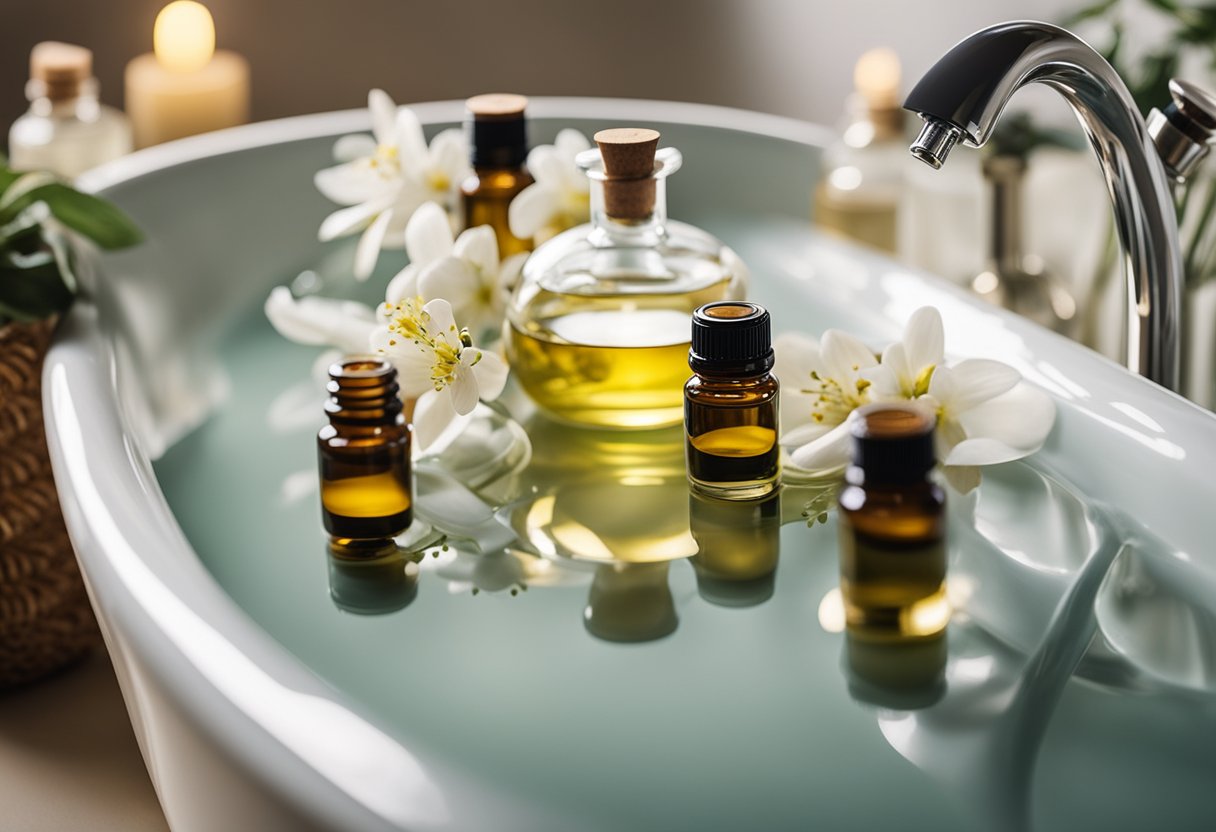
x: 561, y: 196
x: 986, y: 413
x: 383, y: 178
x: 465, y: 271
x: 437, y: 360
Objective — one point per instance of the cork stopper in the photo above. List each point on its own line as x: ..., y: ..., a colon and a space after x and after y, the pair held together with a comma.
x: 629, y: 185
x: 61, y: 68
x: 496, y: 106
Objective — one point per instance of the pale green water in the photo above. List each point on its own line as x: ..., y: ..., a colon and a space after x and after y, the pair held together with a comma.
x: 741, y: 718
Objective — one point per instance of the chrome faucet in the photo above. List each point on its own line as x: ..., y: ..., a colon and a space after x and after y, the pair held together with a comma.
x: 964, y: 93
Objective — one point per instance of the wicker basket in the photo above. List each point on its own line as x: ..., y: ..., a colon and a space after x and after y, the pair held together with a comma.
x: 45, y: 619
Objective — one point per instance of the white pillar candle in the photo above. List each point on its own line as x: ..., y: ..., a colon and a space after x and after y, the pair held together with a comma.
x: 185, y: 86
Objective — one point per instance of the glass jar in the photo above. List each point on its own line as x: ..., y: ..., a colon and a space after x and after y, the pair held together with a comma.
x: 598, y: 329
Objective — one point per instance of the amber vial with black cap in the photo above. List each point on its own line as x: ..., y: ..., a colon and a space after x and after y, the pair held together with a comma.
x: 364, y: 453
x: 893, y: 527
x: 497, y: 130
x: 730, y: 403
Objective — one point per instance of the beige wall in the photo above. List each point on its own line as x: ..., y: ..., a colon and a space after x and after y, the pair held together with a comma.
x: 792, y: 57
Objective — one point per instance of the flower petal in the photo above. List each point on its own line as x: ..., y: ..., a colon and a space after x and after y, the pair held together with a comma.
x: 508, y: 275
x: 962, y: 478
x: 532, y: 209
x: 924, y: 340
x: 314, y: 320
x: 479, y: 247
x: 352, y: 183
x: 368, y: 250
x: 1019, y: 420
x: 977, y: 380
x: 803, y: 434
x: 352, y: 147
x: 843, y: 355
x: 407, y: 135
x: 349, y: 220
x: 491, y: 374
x: 428, y: 236
x: 453, y: 280
x: 569, y: 143
x: 828, y: 452
x: 384, y: 113
x: 442, y: 324
x: 449, y: 156
x: 403, y: 285
x: 463, y: 389
x: 435, y: 422
x: 546, y: 166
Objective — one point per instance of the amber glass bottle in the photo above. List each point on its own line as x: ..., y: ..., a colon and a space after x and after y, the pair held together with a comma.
x: 730, y: 403
x: 364, y: 453
x: 497, y: 129
x: 893, y: 527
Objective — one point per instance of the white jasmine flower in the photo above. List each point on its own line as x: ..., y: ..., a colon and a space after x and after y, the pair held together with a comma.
x: 986, y: 414
x: 560, y: 198
x: 386, y: 176
x: 436, y: 359
x: 465, y: 271
x: 344, y: 324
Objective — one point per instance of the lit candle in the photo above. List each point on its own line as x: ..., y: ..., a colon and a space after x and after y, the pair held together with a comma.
x: 186, y: 86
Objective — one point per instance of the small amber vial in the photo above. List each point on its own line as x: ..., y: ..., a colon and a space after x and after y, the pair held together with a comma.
x: 497, y: 129
x: 364, y: 454
x: 893, y: 527
x: 730, y: 403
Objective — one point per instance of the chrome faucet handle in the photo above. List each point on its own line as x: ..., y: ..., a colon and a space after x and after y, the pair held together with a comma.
x: 1183, y: 131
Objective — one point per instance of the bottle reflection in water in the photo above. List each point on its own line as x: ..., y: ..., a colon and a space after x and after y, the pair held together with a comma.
x: 905, y: 673
x: 892, y: 526
x: 630, y: 602
x: 371, y: 577
x: 738, y: 544
x: 605, y: 496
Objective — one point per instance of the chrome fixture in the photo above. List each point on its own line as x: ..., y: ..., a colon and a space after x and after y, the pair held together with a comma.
x: 964, y: 93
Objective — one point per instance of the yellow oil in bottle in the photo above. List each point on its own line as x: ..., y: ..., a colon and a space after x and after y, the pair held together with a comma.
x: 605, y: 360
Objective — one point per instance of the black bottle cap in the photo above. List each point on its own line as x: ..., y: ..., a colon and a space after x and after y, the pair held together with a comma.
x: 893, y: 442
x: 497, y: 129
x: 731, y: 336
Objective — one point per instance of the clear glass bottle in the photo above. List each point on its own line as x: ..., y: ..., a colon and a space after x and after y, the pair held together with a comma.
x: 497, y: 129
x: 364, y: 456
x: 66, y: 130
x: 598, y: 329
x: 730, y: 403
x: 893, y: 527
x: 863, y: 172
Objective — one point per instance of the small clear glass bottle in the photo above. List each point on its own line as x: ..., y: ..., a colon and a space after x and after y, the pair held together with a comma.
x: 597, y: 330
x: 66, y: 130
x: 730, y: 403
x: 364, y: 455
x: 863, y: 172
x: 497, y: 129
x: 893, y: 527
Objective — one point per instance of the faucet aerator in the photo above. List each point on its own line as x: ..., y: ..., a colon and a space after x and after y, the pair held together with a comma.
x: 936, y: 140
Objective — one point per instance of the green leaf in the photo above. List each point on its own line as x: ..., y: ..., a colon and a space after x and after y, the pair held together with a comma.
x: 35, y: 286
x: 100, y: 221
x: 1089, y: 12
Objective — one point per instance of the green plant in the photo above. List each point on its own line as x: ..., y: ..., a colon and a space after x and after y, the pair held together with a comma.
x: 1190, y: 36
x: 39, y: 214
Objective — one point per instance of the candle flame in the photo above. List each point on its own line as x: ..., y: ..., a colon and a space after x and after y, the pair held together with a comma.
x: 184, y: 36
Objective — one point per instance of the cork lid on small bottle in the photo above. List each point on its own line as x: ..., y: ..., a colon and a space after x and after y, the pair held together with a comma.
x: 61, y: 68
x: 629, y: 184
x: 497, y: 129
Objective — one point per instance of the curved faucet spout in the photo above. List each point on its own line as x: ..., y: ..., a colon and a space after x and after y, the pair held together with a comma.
x: 962, y: 96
